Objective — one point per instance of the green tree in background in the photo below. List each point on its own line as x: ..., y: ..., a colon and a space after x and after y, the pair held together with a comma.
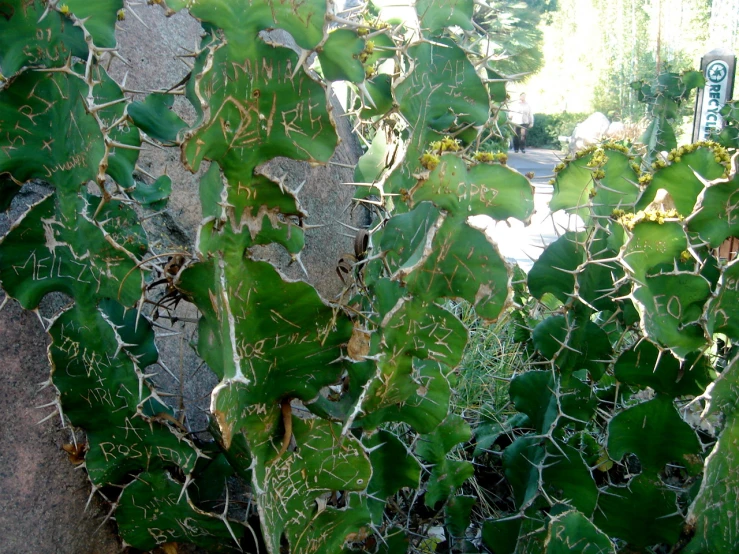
x: 648, y: 39
x: 594, y: 50
x: 512, y: 35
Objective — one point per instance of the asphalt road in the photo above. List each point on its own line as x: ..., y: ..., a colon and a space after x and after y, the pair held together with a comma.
x: 517, y: 242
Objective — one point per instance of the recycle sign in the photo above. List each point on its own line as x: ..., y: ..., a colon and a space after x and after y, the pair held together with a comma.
x: 716, y: 71
x: 718, y: 68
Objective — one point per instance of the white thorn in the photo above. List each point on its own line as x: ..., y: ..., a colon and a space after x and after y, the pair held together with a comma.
x: 301, y: 60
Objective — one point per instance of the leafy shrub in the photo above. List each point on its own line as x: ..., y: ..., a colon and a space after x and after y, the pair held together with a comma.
x: 549, y: 127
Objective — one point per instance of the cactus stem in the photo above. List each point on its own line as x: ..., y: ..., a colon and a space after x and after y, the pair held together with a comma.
x: 160, y: 326
x: 482, y: 61
x: 141, y: 170
x: 565, y: 345
x: 486, y: 81
x: 377, y: 203
x: 352, y: 113
x: 357, y: 229
x: 66, y: 68
x: 117, y: 54
x: 355, y: 130
x: 115, y: 124
x: 358, y: 405
x: 539, y: 246
x: 659, y: 359
x: 142, y: 262
x: 307, y: 227
x: 569, y: 271
x: 155, y: 214
x: 346, y: 22
x: 577, y: 296
x: 369, y: 450
x: 42, y: 406
x: 280, y: 181
x: 350, y: 9
x: 603, y: 263
x: 176, y: 318
x: 301, y: 60
x: 164, y: 366
x: 366, y: 94
x: 188, y: 480
x: 46, y: 12
x: 120, y: 347
x: 224, y: 519
x: 377, y: 531
x: 554, y: 441
x: 130, y: 8
x: 52, y: 414
x: 167, y: 394
x: 593, y: 255
x: 597, y: 217
x: 673, y: 514
x: 297, y: 259
x: 109, y: 516
x: 635, y: 184
x: 462, y: 130
x: 147, y: 140
x: 602, y: 186
x: 89, y: 498
x: 337, y: 164
x: 372, y: 496
x: 543, y: 362
x: 299, y: 187
x: 41, y: 320
x: 94, y: 108
x: 116, y: 144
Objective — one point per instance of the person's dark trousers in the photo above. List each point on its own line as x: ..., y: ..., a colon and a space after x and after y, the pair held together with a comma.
x: 519, y: 138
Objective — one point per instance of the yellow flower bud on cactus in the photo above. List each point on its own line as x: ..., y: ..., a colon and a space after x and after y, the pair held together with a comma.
x: 486, y: 157
x: 449, y: 144
x: 430, y: 161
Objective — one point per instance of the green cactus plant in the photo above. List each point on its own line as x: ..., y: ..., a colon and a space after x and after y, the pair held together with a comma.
x: 270, y: 342
x: 637, y: 298
x: 603, y: 409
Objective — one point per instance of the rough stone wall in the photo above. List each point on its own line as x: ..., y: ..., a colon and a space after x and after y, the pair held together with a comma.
x: 42, y: 496
x: 152, y: 47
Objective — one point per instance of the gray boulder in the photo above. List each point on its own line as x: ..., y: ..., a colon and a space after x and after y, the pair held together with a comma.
x: 589, y: 132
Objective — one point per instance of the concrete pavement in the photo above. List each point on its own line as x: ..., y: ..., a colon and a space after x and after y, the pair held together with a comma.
x: 517, y: 242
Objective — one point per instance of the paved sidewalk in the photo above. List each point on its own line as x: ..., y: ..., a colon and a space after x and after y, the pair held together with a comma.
x: 517, y: 242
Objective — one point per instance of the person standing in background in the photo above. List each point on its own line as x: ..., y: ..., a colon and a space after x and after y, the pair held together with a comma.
x: 522, y: 120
